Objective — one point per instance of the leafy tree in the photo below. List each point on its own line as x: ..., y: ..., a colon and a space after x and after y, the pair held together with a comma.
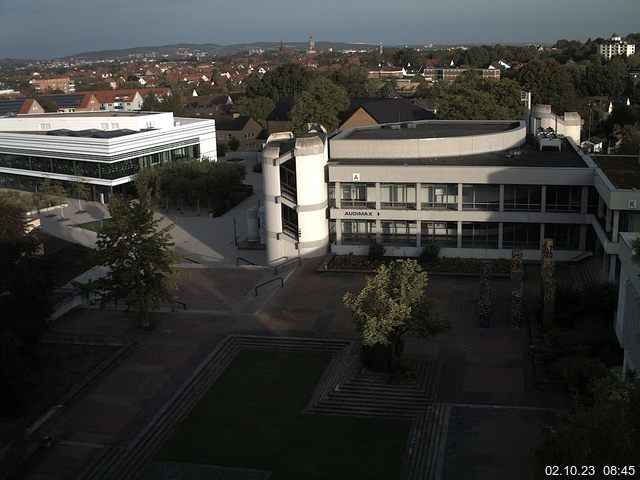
x: 256, y: 107
x: 48, y: 105
x: 286, y: 80
x: 605, y: 433
x: 354, y: 78
x: 151, y: 103
x: 408, y: 56
x: 25, y: 304
x: 473, y: 98
x: 549, y: 83
x: 389, y: 89
x: 80, y: 189
x: 234, y: 144
x: 138, y: 255
x: 391, y: 304
x: 54, y: 192
x: 320, y: 103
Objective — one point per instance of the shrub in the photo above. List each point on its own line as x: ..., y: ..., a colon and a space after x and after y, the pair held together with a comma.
x: 257, y: 168
x: 376, y: 252
x: 430, y: 253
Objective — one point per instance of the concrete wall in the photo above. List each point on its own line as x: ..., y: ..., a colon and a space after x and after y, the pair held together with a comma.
x: 627, y: 321
x: 344, y: 147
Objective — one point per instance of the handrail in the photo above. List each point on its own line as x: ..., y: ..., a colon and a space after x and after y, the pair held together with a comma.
x: 283, y: 267
x: 582, y: 256
x: 244, y: 260
x: 267, y: 283
x: 281, y: 258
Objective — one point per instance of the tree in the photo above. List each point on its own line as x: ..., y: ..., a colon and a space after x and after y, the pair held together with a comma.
x: 258, y: 108
x: 320, y: 103
x: 54, y: 192
x: 80, y: 190
x: 549, y: 83
x: 151, y: 103
x: 285, y: 81
x: 234, y: 144
x: 25, y: 302
x: 354, y: 78
x: 605, y: 433
x: 391, y: 304
x: 138, y: 255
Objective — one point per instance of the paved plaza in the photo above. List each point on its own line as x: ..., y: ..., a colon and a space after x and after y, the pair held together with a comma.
x: 486, y: 381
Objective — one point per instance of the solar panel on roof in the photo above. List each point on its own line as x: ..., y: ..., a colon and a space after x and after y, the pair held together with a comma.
x: 65, y: 101
x: 11, y: 106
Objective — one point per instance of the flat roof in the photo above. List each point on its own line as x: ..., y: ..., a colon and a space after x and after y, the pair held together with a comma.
x: 102, y: 113
x: 429, y: 129
x: 622, y: 170
x: 529, y: 156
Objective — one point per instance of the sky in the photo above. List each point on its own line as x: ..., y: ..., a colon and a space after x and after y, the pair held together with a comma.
x: 40, y: 29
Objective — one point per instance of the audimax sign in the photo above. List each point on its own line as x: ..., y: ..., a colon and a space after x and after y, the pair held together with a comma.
x: 361, y: 213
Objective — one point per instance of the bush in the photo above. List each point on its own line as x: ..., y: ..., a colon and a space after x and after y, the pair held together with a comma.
x: 221, y: 149
x: 257, y: 168
x: 430, y: 254
x: 376, y: 252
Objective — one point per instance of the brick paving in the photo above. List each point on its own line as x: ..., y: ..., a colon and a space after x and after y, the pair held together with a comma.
x: 486, y: 367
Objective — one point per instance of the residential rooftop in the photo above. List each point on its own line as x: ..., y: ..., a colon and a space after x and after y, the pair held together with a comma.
x: 622, y: 170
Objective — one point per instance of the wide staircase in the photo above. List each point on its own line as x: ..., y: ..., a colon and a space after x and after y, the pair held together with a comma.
x: 345, y: 389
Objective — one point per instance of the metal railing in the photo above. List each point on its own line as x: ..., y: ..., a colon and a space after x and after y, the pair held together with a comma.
x: 238, y: 259
x: 283, y: 267
x: 267, y: 283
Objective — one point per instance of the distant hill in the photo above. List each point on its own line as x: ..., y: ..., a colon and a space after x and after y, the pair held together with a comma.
x: 215, y: 48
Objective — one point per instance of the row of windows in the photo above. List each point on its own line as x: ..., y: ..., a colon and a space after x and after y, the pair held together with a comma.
x: 473, y: 234
x: 474, y: 197
x: 109, y: 171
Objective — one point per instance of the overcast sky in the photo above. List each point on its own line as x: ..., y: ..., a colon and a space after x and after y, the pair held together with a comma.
x: 54, y: 28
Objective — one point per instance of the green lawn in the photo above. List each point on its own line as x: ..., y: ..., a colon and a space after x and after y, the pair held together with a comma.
x: 66, y: 260
x: 95, y: 225
x: 252, y: 417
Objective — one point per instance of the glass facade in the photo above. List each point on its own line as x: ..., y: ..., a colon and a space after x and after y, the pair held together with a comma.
x: 399, y: 232
x: 103, y: 170
x: 358, y: 195
x: 564, y: 236
x: 398, y: 195
x: 563, y: 198
x: 443, y: 234
x: 480, y: 197
x: 526, y: 198
x: 358, y: 231
x: 479, y: 235
x: 439, y: 196
x: 525, y: 236
x: 288, y: 180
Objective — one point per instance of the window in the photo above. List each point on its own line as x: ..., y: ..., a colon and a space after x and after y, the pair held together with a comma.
x: 522, y: 198
x: 480, y: 197
x: 399, y: 232
x: 358, y: 195
x: 289, y: 222
x: 358, y: 232
x: 397, y: 196
x: 479, y: 235
x: 443, y: 234
x: 288, y: 181
x: 524, y: 236
x: 45, y: 126
x: 564, y: 236
x: 439, y: 196
x: 563, y: 198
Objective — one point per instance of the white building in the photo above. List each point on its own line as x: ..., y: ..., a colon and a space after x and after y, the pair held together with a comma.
x: 616, y: 46
x: 102, y: 149
x: 627, y: 325
x: 477, y: 189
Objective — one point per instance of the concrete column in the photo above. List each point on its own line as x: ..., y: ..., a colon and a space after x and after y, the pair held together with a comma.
x: 584, y: 200
x: 612, y: 267
x: 500, y: 227
x: 338, y: 231
x: 459, y: 230
x: 378, y: 224
x: 541, y: 233
x: 583, y: 238
x: 615, y: 225
x: 608, y: 221
x: 377, y: 197
x: 338, y: 194
x: 418, y: 198
x: 418, y: 233
x: 501, y: 206
x: 459, y: 201
x: 543, y: 200
x: 600, y: 206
